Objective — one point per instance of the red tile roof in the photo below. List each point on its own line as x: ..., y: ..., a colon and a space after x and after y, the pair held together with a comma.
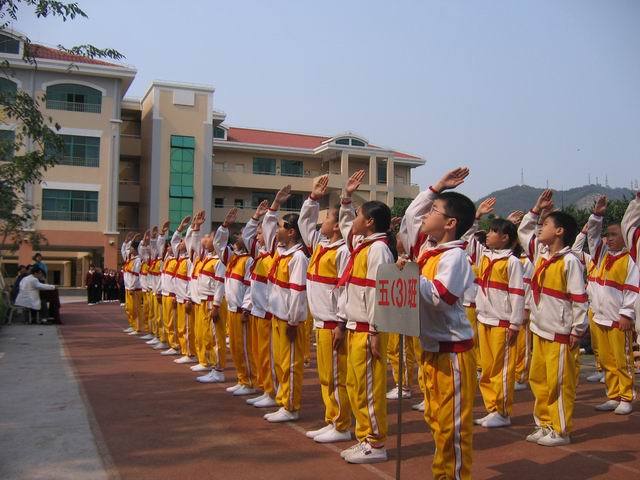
x: 40, y: 51
x: 285, y: 139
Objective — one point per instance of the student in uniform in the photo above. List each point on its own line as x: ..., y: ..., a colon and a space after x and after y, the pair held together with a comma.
x: 236, y: 286
x: 614, y: 292
x: 288, y: 304
x: 184, y: 322
x: 132, y: 286
x: 558, y: 319
x: 630, y: 225
x: 371, y: 243
x: 436, y: 221
x: 261, y: 318
x: 169, y: 266
x: 327, y: 263
x: 155, y: 294
x: 500, y: 311
x: 523, y: 345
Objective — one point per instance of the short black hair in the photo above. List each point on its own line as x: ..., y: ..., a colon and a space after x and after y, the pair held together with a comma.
x: 568, y: 223
x: 290, y: 220
x: 35, y: 270
x: 36, y: 255
x: 505, y: 227
x: 461, y: 208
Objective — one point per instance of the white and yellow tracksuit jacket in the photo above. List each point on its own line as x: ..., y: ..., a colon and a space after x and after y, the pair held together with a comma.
x: 287, y: 278
x: 631, y: 231
x: 559, y: 306
x: 237, y: 280
x: 359, y: 276
x: 262, y: 263
x: 326, y: 266
x: 614, y: 288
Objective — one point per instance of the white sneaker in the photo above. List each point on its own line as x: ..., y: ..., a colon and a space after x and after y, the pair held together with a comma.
x: 495, y: 420
x: 554, y: 439
x: 625, y: 408
x: 270, y: 414
x: 418, y: 406
x: 160, y: 346
x: 171, y: 351
x: 367, y: 454
x: 122, y: 304
x: 320, y: 431
x: 348, y: 451
x: 478, y: 421
x: 199, y: 368
x: 134, y: 332
x: 153, y: 341
x: 283, y: 415
x: 252, y: 400
x: 394, y: 393
x: 244, y: 390
x: 537, y: 434
x: 332, y: 435
x: 520, y: 386
x: 127, y: 330
x: 185, y: 359
x: 266, y: 402
x: 234, y: 388
x: 602, y: 379
x: 219, y: 376
x: 595, y: 377
x: 210, y: 377
x: 148, y: 336
x: 608, y: 406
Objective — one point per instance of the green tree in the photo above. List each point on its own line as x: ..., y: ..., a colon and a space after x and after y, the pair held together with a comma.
x: 23, y: 159
x: 400, y: 206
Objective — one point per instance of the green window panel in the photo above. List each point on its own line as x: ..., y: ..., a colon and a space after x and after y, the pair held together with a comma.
x: 8, y: 90
x: 264, y: 166
x: 219, y: 132
x: 291, y: 168
x: 9, y: 45
x: 181, y: 178
x: 74, y: 98
x: 7, y: 144
x: 69, y: 205
x: 80, y: 151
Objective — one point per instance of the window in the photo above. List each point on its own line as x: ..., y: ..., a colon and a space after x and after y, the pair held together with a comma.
x: 220, y: 133
x: 74, y: 98
x: 80, y: 151
x: 181, y: 178
x: 218, y: 202
x: 9, y: 45
x: 294, y: 203
x: 357, y: 143
x: 8, y: 89
x: 354, y: 142
x: 264, y: 166
x: 382, y: 172
x: 238, y: 203
x: 129, y: 170
x: 342, y: 141
x: 258, y: 197
x: 291, y: 168
x: 7, y: 144
x: 69, y: 205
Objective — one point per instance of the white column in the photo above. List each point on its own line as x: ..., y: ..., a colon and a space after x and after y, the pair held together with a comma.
x: 373, y: 176
x: 344, y: 165
x: 391, y: 181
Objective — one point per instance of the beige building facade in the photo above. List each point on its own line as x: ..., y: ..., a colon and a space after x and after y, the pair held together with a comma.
x: 133, y: 163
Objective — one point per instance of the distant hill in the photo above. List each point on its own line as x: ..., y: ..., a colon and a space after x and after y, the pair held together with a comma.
x: 522, y: 197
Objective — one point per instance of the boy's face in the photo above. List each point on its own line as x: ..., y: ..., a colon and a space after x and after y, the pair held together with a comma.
x: 330, y: 222
x: 549, y: 232
x: 207, y: 243
x: 182, y: 248
x: 497, y: 240
x: 436, y: 222
x: 361, y: 224
x: 284, y: 233
x: 615, y: 240
x: 259, y: 236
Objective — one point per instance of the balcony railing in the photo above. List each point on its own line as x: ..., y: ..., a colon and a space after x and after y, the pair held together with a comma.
x: 252, y: 208
x: 74, y: 106
x: 80, y: 161
x: 70, y: 216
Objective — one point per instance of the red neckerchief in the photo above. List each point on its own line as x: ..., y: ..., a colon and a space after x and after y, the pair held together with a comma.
x: 484, y: 283
x: 232, y: 263
x: 432, y: 252
x: 276, y: 263
x: 260, y: 257
x: 348, y: 270
x: 536, y: 281
x: 611, y: 259
x: 321, y: 252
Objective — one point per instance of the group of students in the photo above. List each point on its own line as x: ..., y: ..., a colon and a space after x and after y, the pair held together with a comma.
x: 102, y: 286
x: 505, y: 310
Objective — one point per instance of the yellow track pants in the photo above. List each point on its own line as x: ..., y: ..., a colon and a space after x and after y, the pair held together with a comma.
x: 366, y: 386
x: 553, y: 378
x: 523, y: 353
x: 332, y: 373
x: 472, y: 316
x: 263, y: 355
x: 450, y: 380
x: 393, y: 355
x: 596, y: 333
x: 289, y: 363
x: 616, y: 357
x: 240, y: 342
x: 169, y: 321
x: 498, y: 365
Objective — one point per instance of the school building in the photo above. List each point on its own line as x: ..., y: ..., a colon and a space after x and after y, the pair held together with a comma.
x: 131, y: 163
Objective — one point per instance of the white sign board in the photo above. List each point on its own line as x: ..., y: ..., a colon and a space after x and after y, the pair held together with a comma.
x: 396, y: 309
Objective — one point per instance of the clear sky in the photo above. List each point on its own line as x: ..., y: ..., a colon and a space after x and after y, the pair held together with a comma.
x: 551, y: 86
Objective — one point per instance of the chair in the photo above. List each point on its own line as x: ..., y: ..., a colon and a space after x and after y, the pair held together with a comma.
x: 12, y: 309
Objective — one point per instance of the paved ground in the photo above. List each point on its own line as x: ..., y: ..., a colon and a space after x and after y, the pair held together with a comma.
x: 152, y: 421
